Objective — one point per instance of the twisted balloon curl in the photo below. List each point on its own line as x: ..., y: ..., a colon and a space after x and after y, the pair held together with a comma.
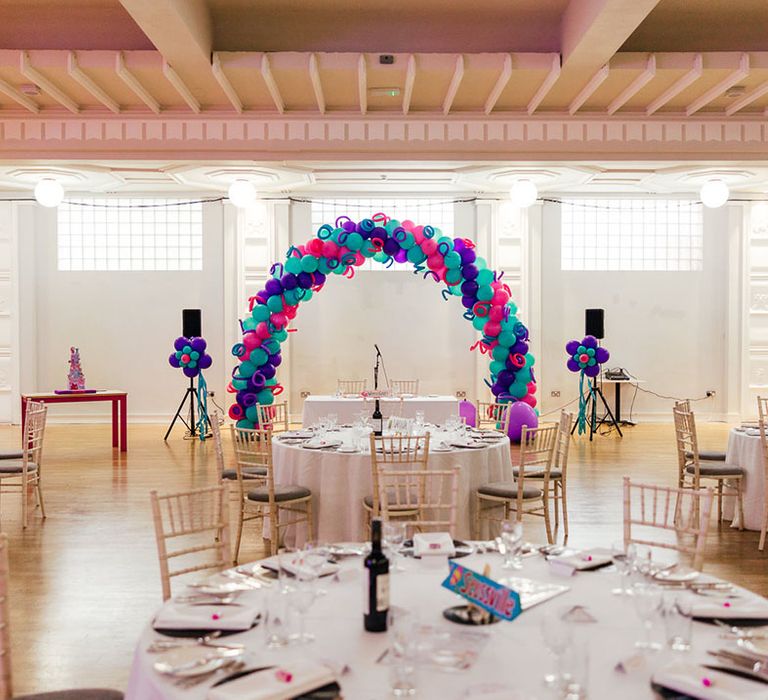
x: 340, y: 248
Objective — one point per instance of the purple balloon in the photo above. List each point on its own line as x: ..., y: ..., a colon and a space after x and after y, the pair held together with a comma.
x: 458, y: 244
x: 573, y: 365
x: 378, y: 232
x: 505, y: 378
x: 497, y: 389
x: 173, y: 360
x: 572, y: 346
x: 469, y: 288
x: 391, y: 247
x: 602, y: 355
x: 305, y: 280
x: 257, y: 381
x: 205, y: 361
x: 198, y: 345
x: 275, y: 359
x: 468, y: 302
x: 469, y: 272
x: 267, y: 370
x: 190, y: 371
x: 592, y: 370
x: 401, y: 256
x: 468, y: 256
x: 180, y: 342
x: 349, y: 226
x: 468, y: 411
x: 289, y: 281
x: 319, y: 278
x: 273, y: 287
x: 520, y: 347
x: 520, y: 414
x: 589, y: 341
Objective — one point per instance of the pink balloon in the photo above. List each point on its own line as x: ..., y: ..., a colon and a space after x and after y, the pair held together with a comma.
x: 492, y: 329
x: 279, y: 320
x: 530, y: 400
x: 531, y: 386
x: 418, y: 234
x: 408, y: 225
x: 435, y: 261
x: 290, y: 311
x: 500, y: 297
x: 315, y: 246
x: 251, y: 341
x: 359, y: 259
x: 262, y: 330
x: 429, y: 246
x: 330, y: 249
x: 496, y: 313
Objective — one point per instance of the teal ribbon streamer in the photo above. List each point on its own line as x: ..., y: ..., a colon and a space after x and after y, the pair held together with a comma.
x: 202, y: 406
x: 582, y: 417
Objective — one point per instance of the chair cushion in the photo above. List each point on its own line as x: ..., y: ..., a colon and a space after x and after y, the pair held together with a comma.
x: 282, y: 493
x: 539, y: 473
x: 716, y: 469
x: 368, y: 501
x: 15, y: 466
x: 11, y: 454
x: 248, y: 473
x: 508, y: 489
x: 708, y: 455
x: 84, y: 694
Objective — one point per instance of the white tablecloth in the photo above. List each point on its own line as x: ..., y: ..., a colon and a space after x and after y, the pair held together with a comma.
x: 436, y: 408
x: 746, y: 452
x: 514, y: 654
x: 339, y: 482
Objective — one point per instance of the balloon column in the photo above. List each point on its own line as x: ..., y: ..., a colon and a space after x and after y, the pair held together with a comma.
x: 191, y: 357
x: 338, y: 249
x: 585, y: 356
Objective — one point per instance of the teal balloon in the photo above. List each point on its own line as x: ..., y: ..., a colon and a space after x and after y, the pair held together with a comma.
x: 322, y: 265
x: 484, y: 277
x: 408, y: 241
x: 194, y: 355
x: 265, y: 397
x: 275, y: 303
x: 249, y: 324
x: 499, y: 353
x: 290, y: 297
x: 239, y: 384
x: 271, y: 346
x: 271, y: 382
x: 247, y: 368
x: 507, y: 339
x: 354, y: 241
x: 293, y: 265
x: 530, y: 360
x: 518, y: 390
x: 187, y: 349
x: 453, y: 260
x: 416, y: 255
x: 496, y: 367
x: 309, y: 294
x: 192, y: 364
x: 309, y: 263
x: 512, y: 308
x: 478, y: 323
x: 280, y: 335
x: 179, y: 353
x: 485, y: 293
x: 443, y: 239
x: 257, y: 358
x: 381, y: 257
x: 455, y: 290
x: 581, y: 350
x: 508, y: 324
x: 260, y: 313
x: 243, y: 423
x: 453, y: 277
x: 591, y: 352
x: 523, y: 376
x: 480, y: 264
x: 368, y: 250
x: 252, y: 413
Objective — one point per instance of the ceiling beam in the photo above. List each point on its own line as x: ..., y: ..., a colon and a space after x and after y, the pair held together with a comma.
x: 18, y: 96
x: 362, y: 84
x: 453, y: 87
x: 182, y: 32
x: 226, y: 86
x: 635, y: 86
x: 747, y: 99
x: 501, y: 83
x: 588, y: 90
x: 317, y: 85
x: 76, y: 73
x: 42, y: 82
x: 676, y: 88
x: 410, y: 79
x: 546, y: 86
x: 132, y: 82
x: 181, y: 88
x: 713, y: 93
x: 269, y: 79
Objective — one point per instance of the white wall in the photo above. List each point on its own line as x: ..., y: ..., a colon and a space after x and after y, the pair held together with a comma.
x: 667, y: 328
x: 123, y: 322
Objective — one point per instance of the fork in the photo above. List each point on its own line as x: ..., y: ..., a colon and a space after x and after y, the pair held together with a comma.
x: 191, y: 682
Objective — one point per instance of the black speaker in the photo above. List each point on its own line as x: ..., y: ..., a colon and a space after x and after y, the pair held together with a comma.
x: 192, y: 323
x: 594, y: 323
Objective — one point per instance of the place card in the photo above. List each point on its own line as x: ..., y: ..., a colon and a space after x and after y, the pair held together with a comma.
x: 483, y: 592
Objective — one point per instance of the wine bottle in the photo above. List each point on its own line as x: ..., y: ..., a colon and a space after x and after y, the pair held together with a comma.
x: 376, y: 604
x: 377, y: 419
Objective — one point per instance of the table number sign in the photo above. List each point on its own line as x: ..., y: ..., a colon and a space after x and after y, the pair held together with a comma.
x: 482, y: 591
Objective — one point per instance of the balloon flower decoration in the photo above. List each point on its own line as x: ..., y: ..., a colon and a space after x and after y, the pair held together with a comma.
x: 585, y: 356
x: 339, y: 249
x: 191, y: 357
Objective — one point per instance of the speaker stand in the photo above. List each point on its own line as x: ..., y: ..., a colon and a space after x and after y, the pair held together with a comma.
x: 594, y: 422
x: 190, y: 394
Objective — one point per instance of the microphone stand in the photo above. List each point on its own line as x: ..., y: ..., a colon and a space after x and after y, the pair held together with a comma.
x: 379, y: 358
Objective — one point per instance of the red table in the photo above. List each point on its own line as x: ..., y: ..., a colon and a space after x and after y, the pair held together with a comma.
x: 119, y: 401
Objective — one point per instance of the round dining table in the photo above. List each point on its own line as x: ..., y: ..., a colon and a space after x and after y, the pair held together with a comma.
x: 745, y: 450
x: 511, y: 658
x: 340, y: 480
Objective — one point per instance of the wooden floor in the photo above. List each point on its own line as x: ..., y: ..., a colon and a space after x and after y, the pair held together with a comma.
x: 85, y: 581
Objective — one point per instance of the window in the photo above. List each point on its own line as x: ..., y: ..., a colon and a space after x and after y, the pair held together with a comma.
x: 130, y: 234
x: 436, y: 213
x: 631, y: 234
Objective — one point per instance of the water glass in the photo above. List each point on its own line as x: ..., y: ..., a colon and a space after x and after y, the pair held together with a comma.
x: 333, y: 421
x: 302, y: 591
x: 558, y: 637
x: 512, y: 543
x: 647, y: 599
x: 623, y: 560
x: 277, y: 627
x: 419, y: 422
x: 677, y: 611
x: 403, y: 654
x: 393, y: 536
x: 316, y: 556
x: 574, y: 670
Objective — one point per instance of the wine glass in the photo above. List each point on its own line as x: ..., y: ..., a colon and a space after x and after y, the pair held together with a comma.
x: 647, y: 599
x: 624, y: 560
x: 316, y: 557
x: 393, y: 535
x: 512, y: 542
x: 302, y: 591
x: 557, y: 637
x: 403, y: 653
x: 333, y: 420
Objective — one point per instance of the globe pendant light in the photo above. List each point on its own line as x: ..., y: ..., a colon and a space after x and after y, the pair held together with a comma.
x: 242, y: 193
x: 523, y: 193
x: 49, y: 192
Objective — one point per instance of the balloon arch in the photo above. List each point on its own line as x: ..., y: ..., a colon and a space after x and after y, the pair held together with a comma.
x: 338, y: 250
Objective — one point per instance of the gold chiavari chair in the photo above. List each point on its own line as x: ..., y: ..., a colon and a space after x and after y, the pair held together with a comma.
x: 228, y: 475
x: 493, y: 416
x: 201, y: 518
x: 395, y: 452
x: 6, y: 678
x: 692, y: 469
x: 705, y: 455
x: 558, y: 475
x: 274, y: 417
x: 764, y: 446
x: 432, y: 493
x: 537, y: 449
x: 266, y: 501
x: 400, y: 387
x: 659, y: 509
x: 21, y: 475
x: 350, y: 386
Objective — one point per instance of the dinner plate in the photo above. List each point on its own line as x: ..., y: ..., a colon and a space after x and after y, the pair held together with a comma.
x: 677, y: 575
x: 754, y: 646
x: 347, y: 450
x: 440, y: 449
x: 186, y: 662
x: 320, y: 445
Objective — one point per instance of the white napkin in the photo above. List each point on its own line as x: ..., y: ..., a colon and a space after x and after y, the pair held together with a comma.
x: 689, y: 678
x: 732, y: 608
x: 176, y: 616
x: 276, y: 683
x: 327, y: 569
x: 583, y: 560
x: 433, y: 543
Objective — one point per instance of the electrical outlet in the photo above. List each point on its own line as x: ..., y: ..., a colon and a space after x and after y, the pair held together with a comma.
x: 554, y: 394
x: 304, y: 394
x: 461, y: 394
x: 711, y: 393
